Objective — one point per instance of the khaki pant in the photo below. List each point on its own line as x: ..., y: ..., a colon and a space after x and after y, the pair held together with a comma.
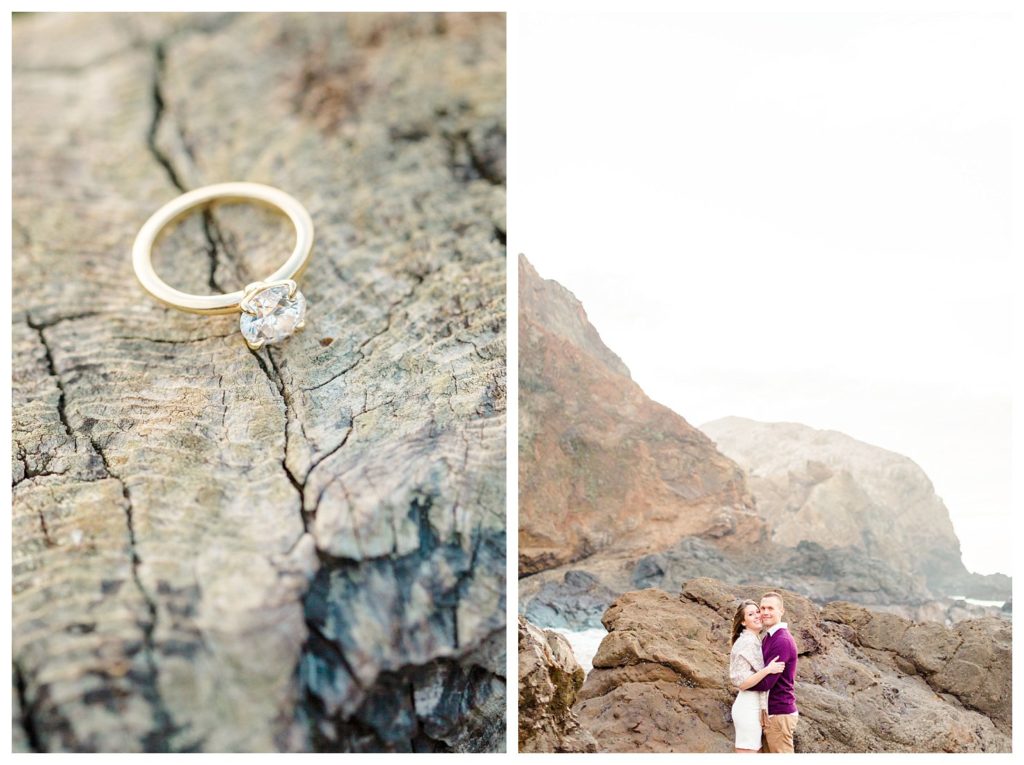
x: 779, y: 733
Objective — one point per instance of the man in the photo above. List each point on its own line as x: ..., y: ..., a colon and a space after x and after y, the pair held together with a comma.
x: 782, y: 713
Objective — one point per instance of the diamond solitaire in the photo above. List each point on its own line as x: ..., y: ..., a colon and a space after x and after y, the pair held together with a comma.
x: 271, y: 312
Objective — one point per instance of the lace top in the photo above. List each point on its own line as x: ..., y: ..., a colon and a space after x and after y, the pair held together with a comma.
x: 744, y: 660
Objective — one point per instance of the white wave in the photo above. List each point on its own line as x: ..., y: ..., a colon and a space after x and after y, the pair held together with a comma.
x: 976, y: 602
x: 584, y: 644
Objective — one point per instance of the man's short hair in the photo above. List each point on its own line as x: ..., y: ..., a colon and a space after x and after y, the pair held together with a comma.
x: 774, y: 595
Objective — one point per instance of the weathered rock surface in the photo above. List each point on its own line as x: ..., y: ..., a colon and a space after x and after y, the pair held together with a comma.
x: 866, y: 682
x: 296, y: 549
x: 602, y: 467
x: 825, y: 487
x: 549, y: 679
x: 970, y: 661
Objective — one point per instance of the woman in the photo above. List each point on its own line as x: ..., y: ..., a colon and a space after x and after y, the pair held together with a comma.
x: 746, y: 669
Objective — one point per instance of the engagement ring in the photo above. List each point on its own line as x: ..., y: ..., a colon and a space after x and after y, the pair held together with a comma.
x: 271, y: 309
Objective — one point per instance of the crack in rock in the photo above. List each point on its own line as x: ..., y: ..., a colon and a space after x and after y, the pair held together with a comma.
x: 26, y: 716
x: 157, y: 740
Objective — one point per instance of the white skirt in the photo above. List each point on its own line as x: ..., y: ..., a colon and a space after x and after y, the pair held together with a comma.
x: 746, y: 716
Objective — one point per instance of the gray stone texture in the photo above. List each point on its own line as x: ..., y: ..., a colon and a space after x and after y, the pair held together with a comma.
x: 301, y: 548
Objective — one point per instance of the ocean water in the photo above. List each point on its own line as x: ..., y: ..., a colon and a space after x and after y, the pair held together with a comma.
x: 976, y: 602
x: 584, y: 644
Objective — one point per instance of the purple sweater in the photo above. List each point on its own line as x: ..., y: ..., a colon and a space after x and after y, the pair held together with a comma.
x: 781, y: 699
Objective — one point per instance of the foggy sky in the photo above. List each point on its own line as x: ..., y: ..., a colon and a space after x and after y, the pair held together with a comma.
x: 789, y: 217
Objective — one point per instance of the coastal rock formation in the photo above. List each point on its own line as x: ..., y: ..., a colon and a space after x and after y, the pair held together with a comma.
x: 549, y: 679
x: 618, y: 493
x: 866, y: 682
x: 825, y: 487
x: 970, y: 661
x: 575, y: 596
x: 601, y: 466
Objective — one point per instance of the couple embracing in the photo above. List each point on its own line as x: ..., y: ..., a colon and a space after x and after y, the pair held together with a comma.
x: 762, y: 666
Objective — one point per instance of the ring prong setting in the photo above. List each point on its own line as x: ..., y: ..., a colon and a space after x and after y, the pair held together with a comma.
x: 271, y: 312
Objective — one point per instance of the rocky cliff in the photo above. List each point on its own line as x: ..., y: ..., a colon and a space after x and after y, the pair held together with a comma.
x: 619, y: 493
x: 602, y: 468
x: 866, y: 682
x: 825, y: 487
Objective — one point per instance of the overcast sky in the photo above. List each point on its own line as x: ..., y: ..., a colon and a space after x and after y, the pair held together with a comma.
x: 788, y: 217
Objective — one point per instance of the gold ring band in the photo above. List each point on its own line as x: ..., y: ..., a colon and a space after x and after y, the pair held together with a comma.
x: 274, y: 302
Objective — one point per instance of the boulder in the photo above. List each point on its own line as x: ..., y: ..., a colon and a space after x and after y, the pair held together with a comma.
x: 970, y: 661
x: 549, y: 679
x: 866, y: 681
